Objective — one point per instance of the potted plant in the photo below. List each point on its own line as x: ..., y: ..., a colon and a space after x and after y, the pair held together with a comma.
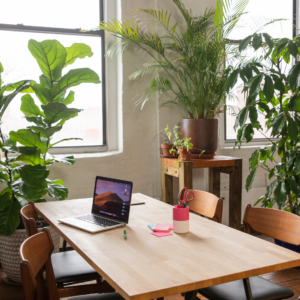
x: 167, y: 145
x: 273, y: 92
x: 190, y: 61
x: 26, y: 174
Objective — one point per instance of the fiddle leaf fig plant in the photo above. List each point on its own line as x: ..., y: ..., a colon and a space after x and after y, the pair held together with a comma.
x: 26, y: 175
x: 273, y: 93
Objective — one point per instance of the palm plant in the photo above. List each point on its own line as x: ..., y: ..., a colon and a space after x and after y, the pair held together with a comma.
x: 190, y: 60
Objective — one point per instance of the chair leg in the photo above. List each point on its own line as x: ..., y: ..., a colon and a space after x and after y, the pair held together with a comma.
x: 247, y: 287
x: 64, y: 247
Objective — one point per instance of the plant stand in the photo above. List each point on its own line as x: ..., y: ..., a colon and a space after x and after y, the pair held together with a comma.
x: 170, y: 167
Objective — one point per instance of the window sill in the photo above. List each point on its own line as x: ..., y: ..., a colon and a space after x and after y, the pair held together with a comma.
x: 253, y: 146
x: 91, y: 155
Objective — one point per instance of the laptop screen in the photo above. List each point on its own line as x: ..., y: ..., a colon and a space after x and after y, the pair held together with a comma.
x: 112, y: 198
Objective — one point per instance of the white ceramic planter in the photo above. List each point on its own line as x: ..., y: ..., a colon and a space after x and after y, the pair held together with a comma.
x: 9, y: 252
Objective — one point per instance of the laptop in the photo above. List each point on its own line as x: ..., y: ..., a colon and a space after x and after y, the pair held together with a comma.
x: 110, y: 209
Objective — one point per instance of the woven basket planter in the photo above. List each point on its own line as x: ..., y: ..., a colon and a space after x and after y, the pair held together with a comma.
x: 9, y: 252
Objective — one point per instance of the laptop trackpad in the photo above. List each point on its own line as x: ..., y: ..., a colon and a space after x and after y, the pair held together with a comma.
x: 90, y: 227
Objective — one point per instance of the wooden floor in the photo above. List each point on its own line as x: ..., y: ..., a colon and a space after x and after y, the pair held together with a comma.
x: 289, y: 278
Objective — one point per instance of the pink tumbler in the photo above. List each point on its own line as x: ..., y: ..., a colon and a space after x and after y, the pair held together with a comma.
x: 181, y: 219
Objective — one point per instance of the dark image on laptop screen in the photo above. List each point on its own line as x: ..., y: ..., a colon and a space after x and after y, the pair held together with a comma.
x: 112, y: 198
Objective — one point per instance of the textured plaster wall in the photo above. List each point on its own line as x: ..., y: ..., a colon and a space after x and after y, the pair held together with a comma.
x: 139, y: 160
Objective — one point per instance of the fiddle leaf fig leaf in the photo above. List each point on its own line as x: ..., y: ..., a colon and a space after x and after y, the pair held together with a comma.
x: 73, y: 78
x: 56, y: 111
x: 34, y: 175
x: 37, y: 120
x: 42, y: 93
x: 28, y: 138
x: 69, y: 99
x: 45, y: 81
x: 57, y: 191
x: 1, y: 68
x: 68, y: 160
x: 29, y: 108
x: 10, y: 217
x: 33, y: 160
x: 28, y: 192
x: 50, y: 56
x: 4, y: 198
x: 77, y: 50
x: 46, y: 132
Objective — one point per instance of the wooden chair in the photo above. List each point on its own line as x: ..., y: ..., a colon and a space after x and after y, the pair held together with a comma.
x: 69, y: 267
x: 278, y: 224
x: 207, y: 205
x: 35, y: 254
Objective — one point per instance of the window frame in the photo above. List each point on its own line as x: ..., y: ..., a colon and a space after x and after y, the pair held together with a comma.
x: 68, y: 31
x: 256, y: 141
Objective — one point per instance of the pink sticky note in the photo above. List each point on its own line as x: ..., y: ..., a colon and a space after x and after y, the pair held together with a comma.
x: 161, y: 234
x: 171, y: 227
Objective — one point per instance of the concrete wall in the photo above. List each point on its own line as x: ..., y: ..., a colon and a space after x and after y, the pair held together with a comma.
x: 139, y: 157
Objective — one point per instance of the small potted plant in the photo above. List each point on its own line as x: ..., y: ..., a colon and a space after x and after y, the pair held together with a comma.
x: 167, y: 145
x: 183, y: 145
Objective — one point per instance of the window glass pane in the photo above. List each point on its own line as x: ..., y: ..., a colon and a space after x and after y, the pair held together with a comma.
x: 253, y: 19
x: 19, y: 64
x: 54, y: 13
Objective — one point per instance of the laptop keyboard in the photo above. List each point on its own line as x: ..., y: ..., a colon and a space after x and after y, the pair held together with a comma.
x: 97, y: 220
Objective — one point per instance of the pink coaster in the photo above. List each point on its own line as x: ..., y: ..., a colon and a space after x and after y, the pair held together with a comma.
x: 161, y: 234
x: 171, y: 227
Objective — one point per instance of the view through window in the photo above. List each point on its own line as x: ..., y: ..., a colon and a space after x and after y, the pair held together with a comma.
x: 257, y: 13
x: 62, y: 20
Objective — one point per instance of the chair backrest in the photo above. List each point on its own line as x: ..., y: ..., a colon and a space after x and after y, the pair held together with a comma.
x: 35, y: 254
x: 275, y: 223
x: 29, y: 216
x: 207, y: 204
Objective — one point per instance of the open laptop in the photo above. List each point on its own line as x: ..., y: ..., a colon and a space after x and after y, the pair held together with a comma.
x: 110, y: 209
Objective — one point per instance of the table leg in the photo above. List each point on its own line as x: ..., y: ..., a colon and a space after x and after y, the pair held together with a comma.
x: 235, y: 196
x: 191, y: 295
x: 185, y: 175
x: 247, y: 287
x: 214, y: 181
x: 166, y: 184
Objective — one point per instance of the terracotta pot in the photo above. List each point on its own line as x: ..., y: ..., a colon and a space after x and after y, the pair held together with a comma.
x: 184, y: 154
x: 165, y: 148
x: 203, y: 134
x: 9, y: 253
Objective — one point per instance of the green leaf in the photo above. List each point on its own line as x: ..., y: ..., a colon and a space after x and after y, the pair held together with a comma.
x: 50, y: 56
x: 255, y: 85
x: 1, y: 68
x: 253, y: 161
x: 250, y: 179
x: 292, y: 129
x: 23, y: 150
x: 253, y: 114
x: 232, y: 80
x: 4, y: 198
x: 268, y: 40
x: 10, y: 218
x: 264, y: 106
x: 64, y: 140
x: 69, y: 99
x: 294, y: 76
x: 57, y: 191
x: 249, y: 132
x: 278, y: 125
x: 245, y: 42
x: 37, y: 120
x: 28, y: 192
x: 293, y: 49
x: 280, y: 194
x: 68, y: 160
x: 269, y: 189
x: 28, y: 138
x: 56, y: 111
x: 46, y: 132
x: 33, y: 160
x: 29, y: 108
x: 257, y: 41
x: 73, y: 78
x: 278, y: 84
x: 34, y: 175
x: 293, y: 185
x: 45, y: 82
x: 43, y: 93
x: 293, y: 102
x: 243, y: 116
x: 268, y: 88
x: 77, y: 50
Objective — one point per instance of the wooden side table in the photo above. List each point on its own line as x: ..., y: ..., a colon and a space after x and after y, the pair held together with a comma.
x: 170, y: 167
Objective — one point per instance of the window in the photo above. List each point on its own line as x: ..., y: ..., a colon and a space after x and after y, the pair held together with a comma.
x: 61, y: 20
x: 258, y: 13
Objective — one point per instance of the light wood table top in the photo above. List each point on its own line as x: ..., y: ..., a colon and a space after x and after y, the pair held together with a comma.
x: 147, y: 267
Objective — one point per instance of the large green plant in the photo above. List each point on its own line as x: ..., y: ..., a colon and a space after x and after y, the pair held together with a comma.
x: 190, y: 58
x: 274, y: 92
x: 27, y: 174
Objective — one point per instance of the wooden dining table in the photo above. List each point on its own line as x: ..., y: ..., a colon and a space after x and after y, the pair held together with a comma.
x: 146, y: 267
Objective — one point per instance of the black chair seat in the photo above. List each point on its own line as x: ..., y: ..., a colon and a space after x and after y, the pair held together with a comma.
x: 108, y: 296
x: 69, y: 266
x: 261, y: 288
